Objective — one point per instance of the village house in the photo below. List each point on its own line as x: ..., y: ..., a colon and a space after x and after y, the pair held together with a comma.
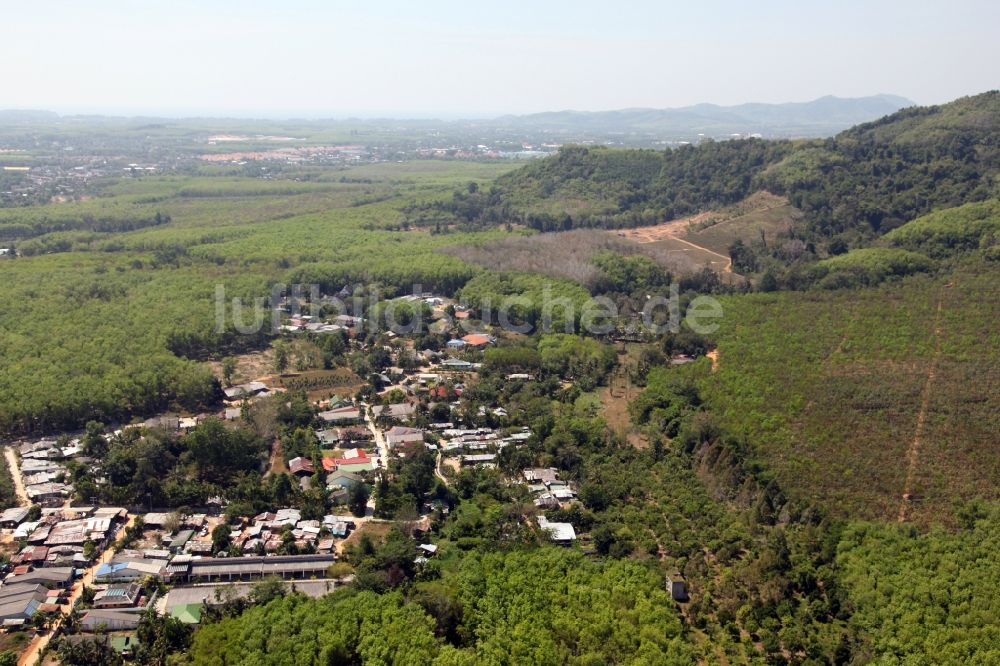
x: 301, y: 467
x: 341, y: 479
x: 247, y: 390
x: 353, y: 461
x: 399, y: 435
x: 559, y: 533
x: 478, y: 459
x: 14, y: 516
x: 50, y: 577
x: 18, y: 603
x: 677, y: 587
x: 402, y: 411
x: 77, y: 532
x: 546, y: 501
x: 178, y: 542
x: 544, y: 475
x: 48, y: 494
x: 335, y: 436
x: 129, y: 570
x: 457, y: 364
x: 33, y: 555
x: 29, y: 466
x: 342, y: 415
x: 478, y: 340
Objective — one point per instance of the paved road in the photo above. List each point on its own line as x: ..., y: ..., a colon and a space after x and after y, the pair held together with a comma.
x: 39, y: 643
x: 380, y: 443
x: 15, y: 473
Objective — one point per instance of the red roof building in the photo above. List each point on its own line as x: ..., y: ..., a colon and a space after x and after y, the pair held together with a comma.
x: 477, y: 339
x: 351, y: 457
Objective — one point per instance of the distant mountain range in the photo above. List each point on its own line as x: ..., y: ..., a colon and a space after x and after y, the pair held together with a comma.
x: 26, y: 116
x: 820, y: 117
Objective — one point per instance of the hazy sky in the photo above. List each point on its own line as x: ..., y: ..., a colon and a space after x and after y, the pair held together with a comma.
x: 444, y: 58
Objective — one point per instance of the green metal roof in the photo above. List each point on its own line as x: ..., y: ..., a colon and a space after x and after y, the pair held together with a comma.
x: 187, y: 613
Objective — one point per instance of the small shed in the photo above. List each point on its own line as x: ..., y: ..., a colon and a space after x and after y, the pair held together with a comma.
x: 677, y: 586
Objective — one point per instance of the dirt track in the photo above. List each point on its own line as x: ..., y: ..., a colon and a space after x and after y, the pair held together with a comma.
x: 913, y: 454
x: 15, y: 474
x: 714, y: 357
x: 658, y: 232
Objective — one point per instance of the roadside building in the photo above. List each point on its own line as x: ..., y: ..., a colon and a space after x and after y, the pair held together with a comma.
x: 50, y: 577
x: 102, y: 620
x: 118, y: 595
x: 213, y: 569
x: 342, y: 415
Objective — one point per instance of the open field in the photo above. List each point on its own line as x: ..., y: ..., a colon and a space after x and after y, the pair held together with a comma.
x: 829, y: 386
x: 704, y: 239
x: 667, y: 239
x: 693, y: 254
x: 764, y: 222
x: 568, y: 254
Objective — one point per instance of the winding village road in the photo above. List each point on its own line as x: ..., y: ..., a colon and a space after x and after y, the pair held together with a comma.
x: 15, y: 474
x: 380, y: 443
x: 437, y: 470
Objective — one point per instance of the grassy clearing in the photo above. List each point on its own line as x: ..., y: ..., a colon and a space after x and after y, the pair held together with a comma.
x: 568, y: 254
x: 766, y: 222
x: 681, y: 251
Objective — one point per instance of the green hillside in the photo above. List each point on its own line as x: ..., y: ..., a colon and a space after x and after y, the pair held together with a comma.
x: 951, y: 231
x: 877, y: 176
x: 828, y: 388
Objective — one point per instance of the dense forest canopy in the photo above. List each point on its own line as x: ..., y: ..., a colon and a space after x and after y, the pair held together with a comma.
x: 545, y: 606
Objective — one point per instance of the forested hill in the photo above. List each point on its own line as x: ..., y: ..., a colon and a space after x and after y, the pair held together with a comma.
x: 858, y: 185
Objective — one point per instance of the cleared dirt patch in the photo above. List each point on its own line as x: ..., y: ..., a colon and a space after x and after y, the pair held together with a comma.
x: 249, y: 367
x: 667, y: 238
x: 694, y: 254
x: 615, y: 397
x: 375, y: 531
x: 704, y: 239
x: 713, y: 356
